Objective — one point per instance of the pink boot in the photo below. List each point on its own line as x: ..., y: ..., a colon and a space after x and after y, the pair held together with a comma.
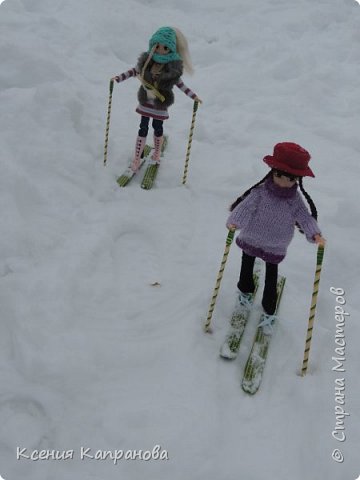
x: 139, y: 147
x: 157, y: 149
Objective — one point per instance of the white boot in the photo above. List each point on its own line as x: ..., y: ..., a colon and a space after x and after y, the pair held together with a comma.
x: 267, y: 323
x: 244, y: 303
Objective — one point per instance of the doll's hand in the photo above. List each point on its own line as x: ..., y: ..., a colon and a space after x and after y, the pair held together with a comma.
x: 198, y: 100
x: 319, y: 240
x: 231, y: 227
x: 116, y: 79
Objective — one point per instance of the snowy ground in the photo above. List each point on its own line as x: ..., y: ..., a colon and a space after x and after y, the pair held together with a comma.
x: 91, y: 353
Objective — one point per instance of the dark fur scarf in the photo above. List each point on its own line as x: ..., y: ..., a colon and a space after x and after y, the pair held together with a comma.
x: 165, y: 82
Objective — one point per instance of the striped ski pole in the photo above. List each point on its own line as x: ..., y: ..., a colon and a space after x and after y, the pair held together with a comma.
x: 196, y: 105
x: 111, y: 87
x: 229, y: 239
x: 320, y: 256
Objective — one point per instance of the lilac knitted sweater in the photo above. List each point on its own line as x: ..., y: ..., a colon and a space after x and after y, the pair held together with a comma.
x: 266, y: 219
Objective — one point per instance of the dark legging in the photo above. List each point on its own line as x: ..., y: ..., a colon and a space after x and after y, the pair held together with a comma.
x: 144, y: 127
x: 246, y: 282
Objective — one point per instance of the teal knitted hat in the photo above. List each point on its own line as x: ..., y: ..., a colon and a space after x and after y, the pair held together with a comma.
x: 166, y: 36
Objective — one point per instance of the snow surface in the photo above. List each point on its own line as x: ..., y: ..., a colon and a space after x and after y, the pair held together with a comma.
x: 91, y: 353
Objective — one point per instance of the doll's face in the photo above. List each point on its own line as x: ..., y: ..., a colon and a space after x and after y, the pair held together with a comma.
x: 161, y: 49
x: 284, y: 180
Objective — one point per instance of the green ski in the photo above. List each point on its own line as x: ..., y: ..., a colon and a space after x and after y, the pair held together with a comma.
x: 238, y: 321
x: 152, y: 169
x: 256, y: 362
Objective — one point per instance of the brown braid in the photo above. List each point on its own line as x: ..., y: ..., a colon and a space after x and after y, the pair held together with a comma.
x: 313, y: 210
x: 309, y: 201
x: 244, y: 195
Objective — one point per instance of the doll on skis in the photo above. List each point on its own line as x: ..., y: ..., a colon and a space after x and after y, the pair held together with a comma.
x: 266, y: 215
x: 159, y: 69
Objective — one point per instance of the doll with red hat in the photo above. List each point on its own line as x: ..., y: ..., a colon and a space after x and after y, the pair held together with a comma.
x: 266, y: 215
x: 159, y: 69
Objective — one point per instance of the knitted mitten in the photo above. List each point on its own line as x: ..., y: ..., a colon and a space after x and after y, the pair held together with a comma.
x: 139, y: 147
x: 157, y: 148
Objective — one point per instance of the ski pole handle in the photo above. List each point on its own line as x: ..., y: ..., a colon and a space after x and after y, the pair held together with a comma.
x: 319, y: 260
x: 195, y: 107
x: 111, y: 87
x: 229, y: 240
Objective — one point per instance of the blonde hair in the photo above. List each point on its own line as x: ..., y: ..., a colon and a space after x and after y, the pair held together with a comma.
x: 183, y: 50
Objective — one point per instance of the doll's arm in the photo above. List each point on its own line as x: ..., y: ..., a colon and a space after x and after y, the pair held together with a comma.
x: 244, y: 211
x: 181, y: 85
x: 124, y: 76
x: 307, y: 223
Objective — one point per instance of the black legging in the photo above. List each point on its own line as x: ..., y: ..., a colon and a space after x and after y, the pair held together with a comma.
x: 144, y: 127
x: 246, y: 282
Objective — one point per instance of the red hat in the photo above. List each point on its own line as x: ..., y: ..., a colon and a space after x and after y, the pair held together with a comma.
x: 290, y: 158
